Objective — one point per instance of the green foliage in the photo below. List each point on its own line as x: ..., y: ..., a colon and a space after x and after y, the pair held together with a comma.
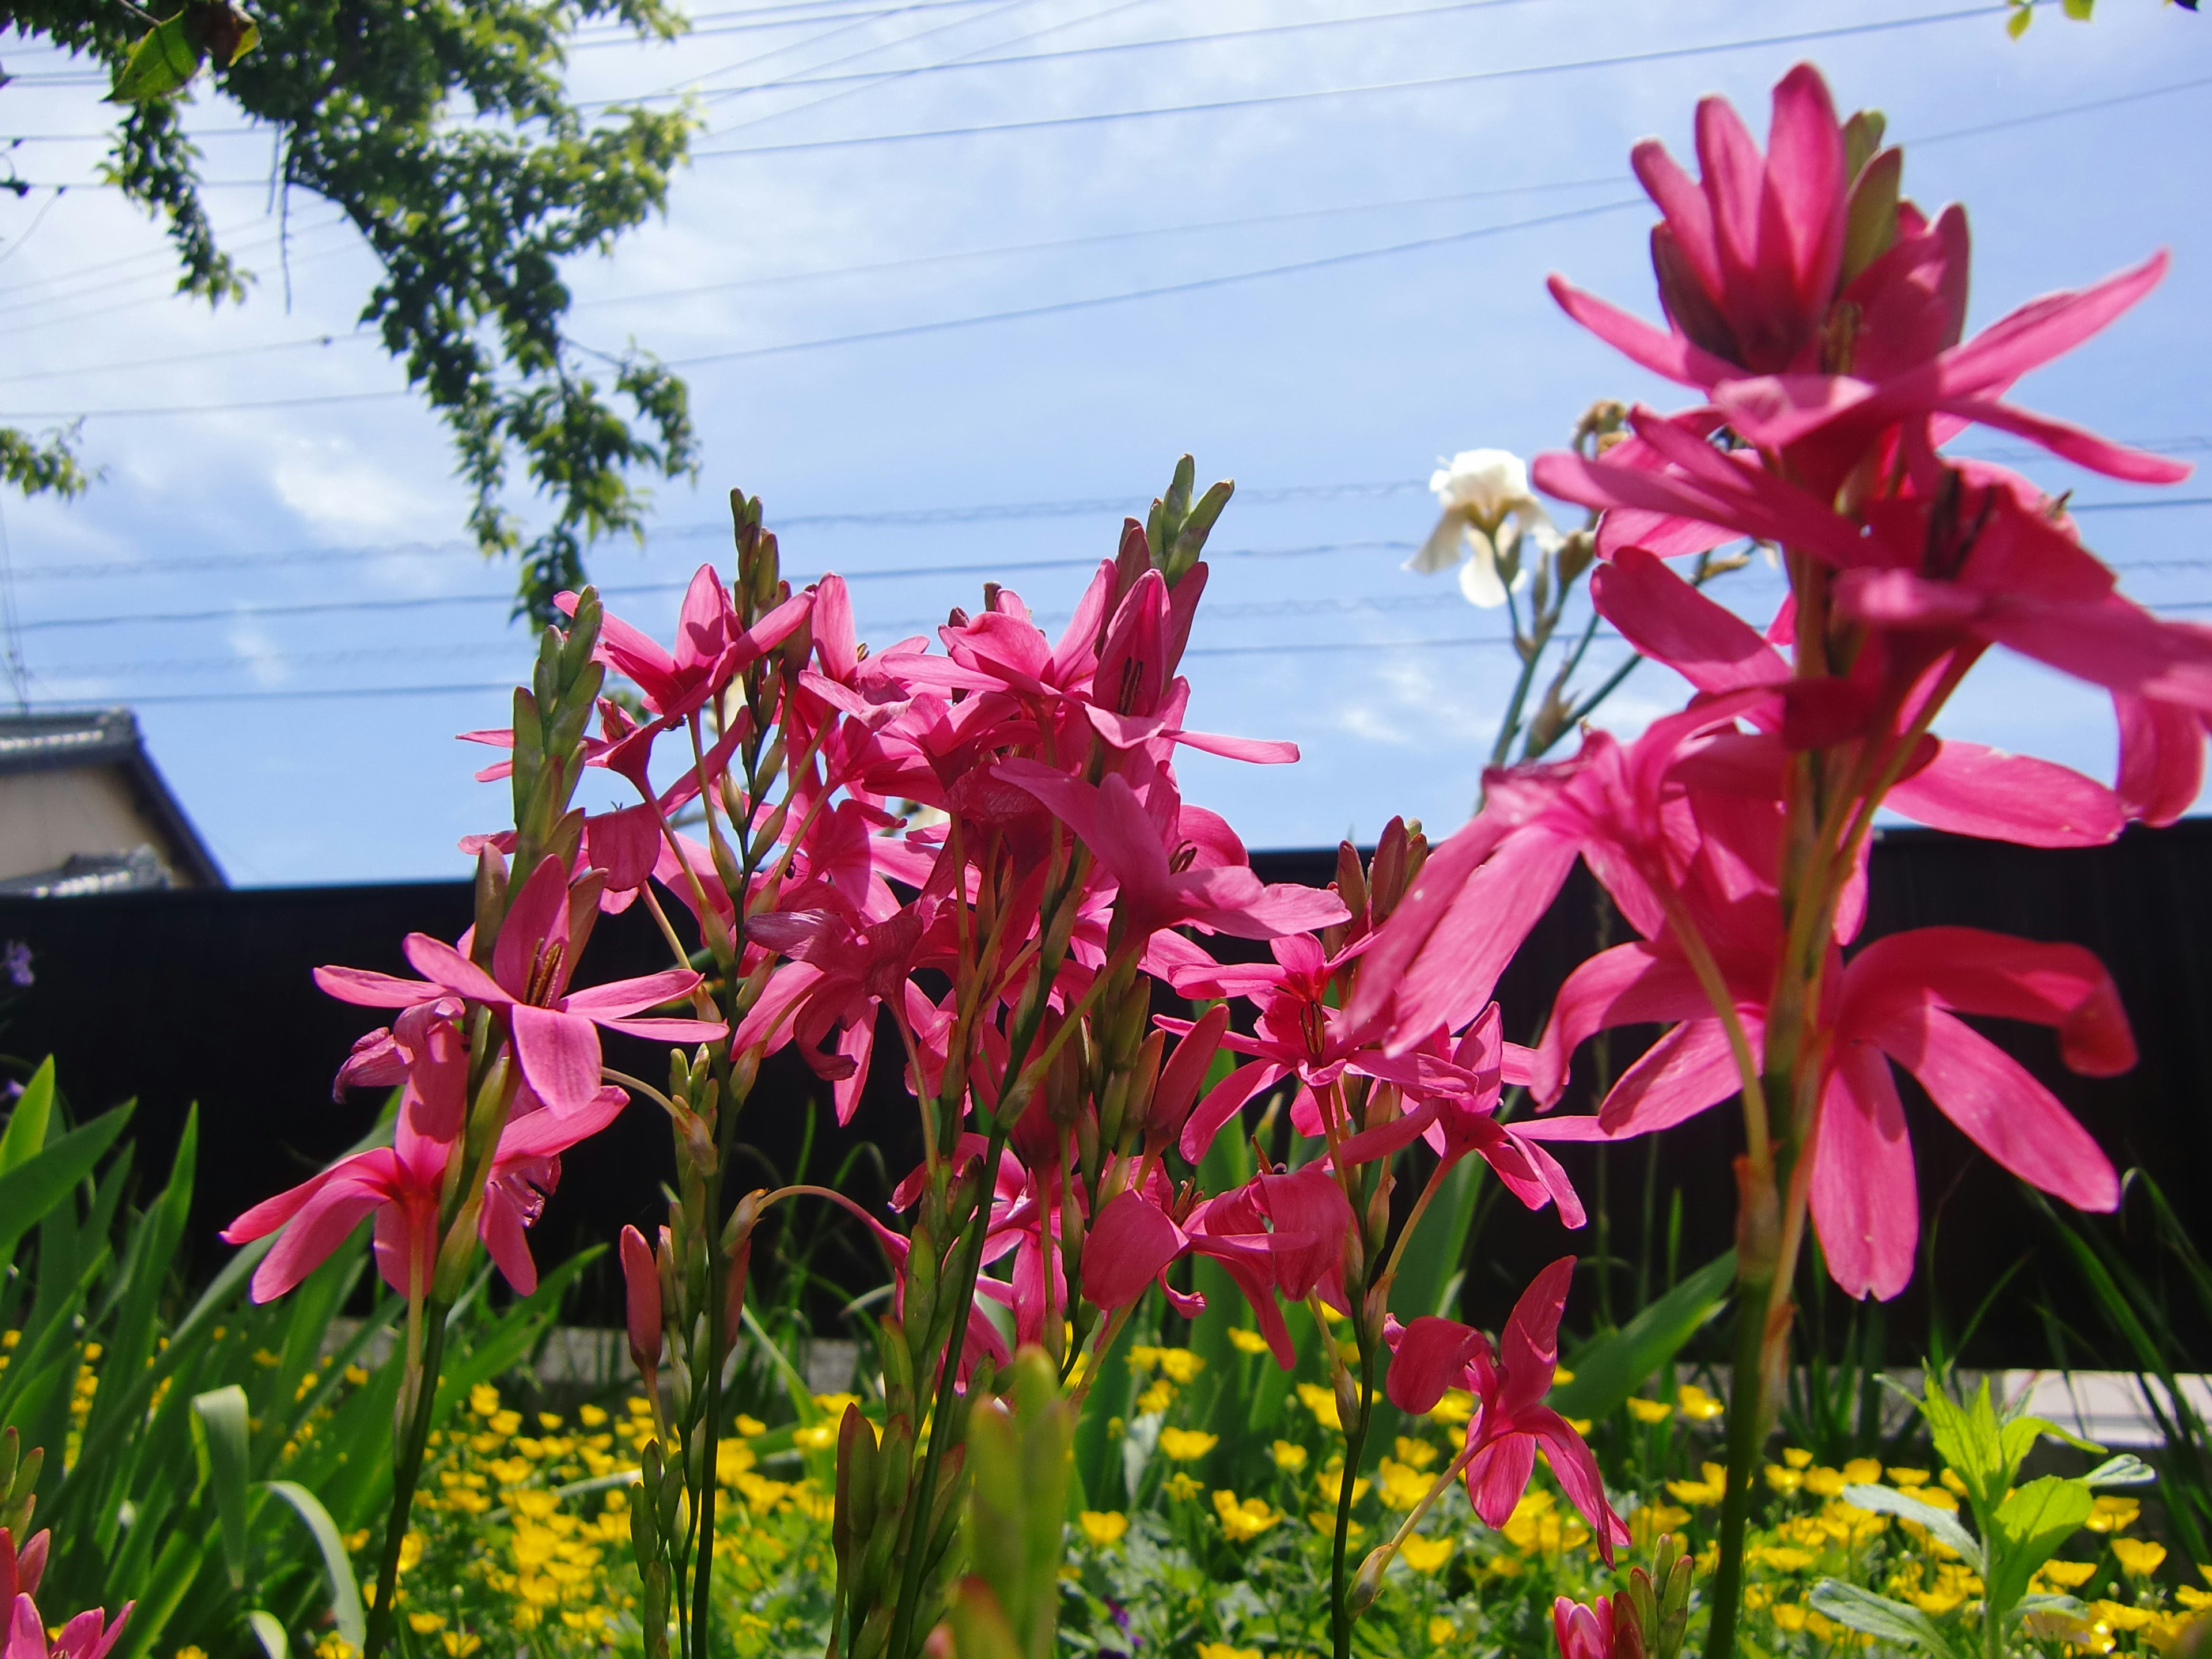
x: 42, y: 467
x: 445, y: 135
x: 203, y: 1457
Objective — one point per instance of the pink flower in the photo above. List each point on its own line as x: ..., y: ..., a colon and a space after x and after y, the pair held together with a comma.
x: 20, y: 1572
x: 401, y: 1186
x: 711, y: 647
x: 1898, y: 1001
x: 1587, y: 1632
x: 88, y: 1636
x: 1128, y: 840
x: 641, y: 1301
x: 1431, y: 1355
x: 557, y: 1042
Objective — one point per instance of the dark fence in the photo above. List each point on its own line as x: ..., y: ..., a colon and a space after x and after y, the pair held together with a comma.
x: 205, y: 995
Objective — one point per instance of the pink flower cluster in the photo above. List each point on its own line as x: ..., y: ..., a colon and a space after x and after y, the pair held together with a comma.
x: 89, y: 1635
x: 1819, y: 316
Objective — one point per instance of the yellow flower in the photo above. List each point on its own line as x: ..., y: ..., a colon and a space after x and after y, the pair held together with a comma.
x: 1781, y: 1559
x: 1223, y: 1651
x: 1789, y: 1615
x: 423, y: 1623
x: 335, y: 1646
x: 1180, y: 1364
x: 1329, y: 1484
x: 505, y: 1422
x: 749, y: 1426
x: 1940, y: 1498
x: 1797, y: 1456
x: 2110, y: 1514
x: 1246, y: 1341
x: 1579, y: 1425
x: 1418, y: 1454
x: 1183, y: 1487
x: 192, y: 1653
x: 410, y: 1551
x: 1455, y: 1408
x: 1402, y: 1486
x: 2120, y: 1616
x: 1244, y: 1521
x: 1862, y: 1472
x: 1322, y: 1402
x: 1288, y: 1455
x: 1695, y: 1405
x: 1646, y: 1523
x: 1784, y: 1480
x: 355, y: 1376
x: 1186, y: 1445
x: 815, y: 1437
x: 1324, y: 1523
x: 2139, y: 1558
x: 1157, y: 1398
x: 732, y: 1459
x: 1330, y: 1315
x: 2068, y: 1575
x: 1711, y: 1490
x: 591, y: 1416
x: 1103, y: 1527
x: 2189, y: 1596
x: 638, y: 1406
x: 1560, y: 1375
x: 1908, y: 1479
x: 1441, y: 1631
x: 1951, y: 1480
x: 1426, y: 1555
x: 1650, y: 1411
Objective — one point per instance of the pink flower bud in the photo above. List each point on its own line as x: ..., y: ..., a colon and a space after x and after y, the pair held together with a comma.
x: 642, y: 1283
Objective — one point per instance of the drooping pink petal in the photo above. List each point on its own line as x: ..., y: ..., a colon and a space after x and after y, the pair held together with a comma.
x: 1132, y: 1242
x: 500, y: 1224
x: 436, y: 960
x: 1429, y: 1358
x: 372, y: 990
x: 2002, y: 1109
x: 1974, y: 971
x: 1664, y: 354
x: 559, y: 1054
x: 2162, y: 768
x: 1629, y: 985
x: 1974, y: 790
x: 1865, y: 1200
x: 1690, y: 1068
x: 329, y: 1212
x: 1223, y: 1102
x: 1576, y: 1472
x: 1499, y: 1474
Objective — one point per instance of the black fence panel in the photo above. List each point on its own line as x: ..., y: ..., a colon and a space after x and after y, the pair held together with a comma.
x: 206, y: 995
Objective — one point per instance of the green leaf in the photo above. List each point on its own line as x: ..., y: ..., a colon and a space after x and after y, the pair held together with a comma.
x: 1888, y: 1500
x: 219, y: 1421
x: 46, y: 1178
x: 512, y: 1336
x: 2079, y: 10
x: 2124, y: 1469
x: 27, y: 1123
x: 270, y: 1634
x: 2027, y: 1530
x: 163, y: 60
x: 794, y: 1385
x: 2022, y: 15
x: 345, y: 1593
x: 1609, y: 1370
x: 1878, y: 1616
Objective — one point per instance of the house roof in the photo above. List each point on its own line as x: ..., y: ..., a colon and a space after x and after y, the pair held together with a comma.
x: 66, y: 741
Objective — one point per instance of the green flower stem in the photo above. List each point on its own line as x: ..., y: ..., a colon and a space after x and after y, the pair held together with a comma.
x: 406, y: 1471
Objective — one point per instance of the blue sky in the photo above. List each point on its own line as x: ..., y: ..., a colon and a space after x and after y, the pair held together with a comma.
x: 1329, y: 393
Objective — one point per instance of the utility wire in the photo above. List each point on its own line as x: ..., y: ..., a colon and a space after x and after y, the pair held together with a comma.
x: 1266, y: 99
x: 903, y: 332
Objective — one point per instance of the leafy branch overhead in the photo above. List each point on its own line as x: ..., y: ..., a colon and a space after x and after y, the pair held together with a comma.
x: 445, y: 135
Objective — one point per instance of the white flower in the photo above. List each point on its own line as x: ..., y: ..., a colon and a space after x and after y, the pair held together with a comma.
x: 1482, y: 491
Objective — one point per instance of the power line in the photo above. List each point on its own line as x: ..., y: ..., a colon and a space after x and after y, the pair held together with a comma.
x: 439, y: 601
x: 186, y: 357
x: 1264, y: 99
x: 903, y: 332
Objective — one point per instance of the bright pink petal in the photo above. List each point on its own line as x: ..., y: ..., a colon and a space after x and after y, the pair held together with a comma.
x: 538, y: 915
x: 629, y: 996
x: 1131, y: 1243
x: 1499, y: 1474
x: 372, y: 990
x: 1429, y: 1358
x: 1974, y: 971
x: 331, y: 1213
x: 500, y: 1224
x: 1690, y: 1068
x: 1865, y: 1200
x: 1222, y: 1102
x: 1973, y: 791
x: 1671, y: 621
x: 559, y: 1053
x: 2003, y: 1110
x: 436, y: 960
x: 1662, y: 352
x: 1528, y: 1347
x: 1629, y: 985
x: 1576, y: 1472
x: 2162, y: 768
